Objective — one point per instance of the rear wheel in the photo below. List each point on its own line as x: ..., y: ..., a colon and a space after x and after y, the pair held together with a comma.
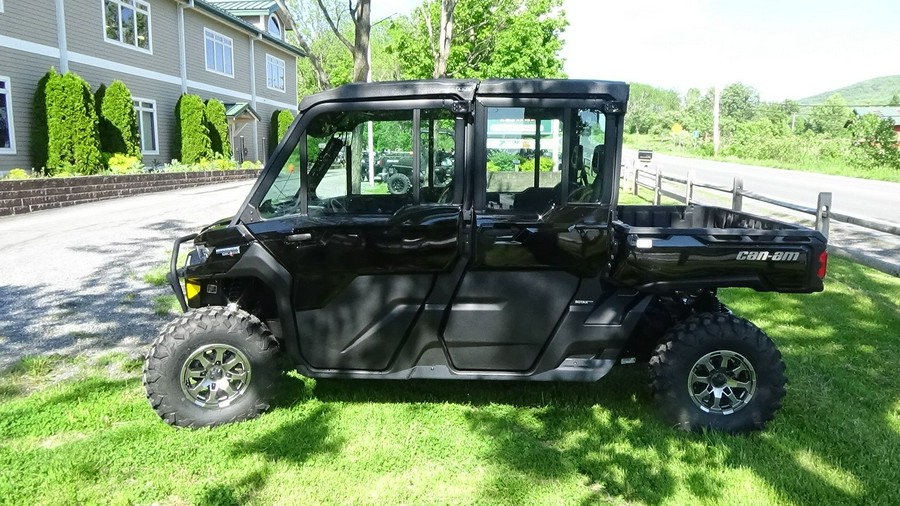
x: 399, y: 184
x: 717, y: 371
x: 211, y: 366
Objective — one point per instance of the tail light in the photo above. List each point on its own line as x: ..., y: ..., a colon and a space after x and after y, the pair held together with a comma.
x: 823, y: 264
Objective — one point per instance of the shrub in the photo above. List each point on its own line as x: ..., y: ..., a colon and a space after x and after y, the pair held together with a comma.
x: 191, y: 134
x: 120, y: 163
x: 40, y: 142
x: 217, y: 124
x: 281, y: 122
x: 17, y: 174
x: 118, y: 124
x: 502, y: 161
x: 73, y: 138
x: 249, y: 164
x: 527, y: 164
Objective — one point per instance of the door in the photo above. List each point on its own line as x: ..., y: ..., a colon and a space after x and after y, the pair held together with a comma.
x: 539, y: 229
x: 364, y: 253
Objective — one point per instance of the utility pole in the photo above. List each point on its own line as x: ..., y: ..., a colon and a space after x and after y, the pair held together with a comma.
x: 716, y: 103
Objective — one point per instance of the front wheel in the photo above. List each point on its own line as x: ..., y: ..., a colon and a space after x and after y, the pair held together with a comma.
x: 211, y: 366
x: 717, y: 371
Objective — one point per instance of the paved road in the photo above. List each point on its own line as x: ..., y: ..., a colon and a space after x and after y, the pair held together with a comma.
x: 72, y: 279
x: 863, y: 197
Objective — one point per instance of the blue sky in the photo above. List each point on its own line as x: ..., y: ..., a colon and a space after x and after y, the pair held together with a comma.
x: 783, y: 48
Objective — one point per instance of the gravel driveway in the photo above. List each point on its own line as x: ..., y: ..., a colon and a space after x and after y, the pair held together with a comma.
x: 71, y: 280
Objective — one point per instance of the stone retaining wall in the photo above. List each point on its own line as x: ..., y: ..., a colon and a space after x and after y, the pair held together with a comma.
x: 26, y: 195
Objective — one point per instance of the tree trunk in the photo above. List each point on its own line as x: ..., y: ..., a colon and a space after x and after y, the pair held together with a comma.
x: 360, y: 50
x: 445, y: 37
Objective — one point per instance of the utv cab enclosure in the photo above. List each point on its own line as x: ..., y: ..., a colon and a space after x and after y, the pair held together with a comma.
x: 519, y: 265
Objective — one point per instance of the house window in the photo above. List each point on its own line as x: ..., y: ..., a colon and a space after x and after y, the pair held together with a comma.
x: 127, y: 23
x: 274, y: 73
x: 146, y: 113
x: 274, y: 26
x: 219, y: 54
x: 7, y: 139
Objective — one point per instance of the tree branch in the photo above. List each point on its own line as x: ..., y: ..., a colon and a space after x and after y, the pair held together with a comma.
x: 333, y: 26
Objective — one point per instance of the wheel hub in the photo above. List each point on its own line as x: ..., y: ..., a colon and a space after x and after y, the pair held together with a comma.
x: 215, y: 375
x: 722, y: 382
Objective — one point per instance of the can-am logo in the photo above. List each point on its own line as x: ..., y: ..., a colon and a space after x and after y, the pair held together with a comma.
x: 778, y: 256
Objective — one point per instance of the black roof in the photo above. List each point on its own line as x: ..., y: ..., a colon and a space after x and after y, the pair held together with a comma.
x: 460, y: 89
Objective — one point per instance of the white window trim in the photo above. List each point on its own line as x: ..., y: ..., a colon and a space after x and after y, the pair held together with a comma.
x: 120, y: 43
x: 138, y: 109
x: 276, y: 61
x: 11, y: 150
x: 206, y: 33
x: 271, y: 17
x: 1, y: 6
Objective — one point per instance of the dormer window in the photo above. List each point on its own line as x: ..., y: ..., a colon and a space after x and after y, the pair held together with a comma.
x: 274, y: 26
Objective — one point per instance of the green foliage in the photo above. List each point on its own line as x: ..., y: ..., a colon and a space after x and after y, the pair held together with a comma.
x: 502, y: 161
x: 285, y: 118
x: 217, y: 126
x: 831, y: 117
x: 650, y: 107
x: 191, y: 133
x: 216, y: 162
x: 527, y: 164
x: 39, y: 143
x: 18, y: 174
x: 504, y: 38
x: 120, y: 163
x: 278, y: 127
x: 73, y: 137
x: 118, y: 123
x: 739, y: 102
x: 874, y: 143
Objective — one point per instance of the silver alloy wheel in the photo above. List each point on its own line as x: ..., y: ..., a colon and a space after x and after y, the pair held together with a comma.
x: 722, y: 382
x: 215, y: 375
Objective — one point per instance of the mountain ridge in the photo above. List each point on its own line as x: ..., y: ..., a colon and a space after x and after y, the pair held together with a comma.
x: 875, y: 91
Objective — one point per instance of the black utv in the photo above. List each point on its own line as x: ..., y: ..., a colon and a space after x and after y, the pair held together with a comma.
x: 528, y: 275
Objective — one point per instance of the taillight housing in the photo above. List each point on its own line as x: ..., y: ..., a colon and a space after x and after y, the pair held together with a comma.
x: 823, y: 264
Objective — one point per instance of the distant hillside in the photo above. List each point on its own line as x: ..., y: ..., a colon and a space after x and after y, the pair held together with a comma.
x: 876, y: 91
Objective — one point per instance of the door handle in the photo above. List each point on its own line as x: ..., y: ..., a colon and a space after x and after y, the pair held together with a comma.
x: 298, y: 238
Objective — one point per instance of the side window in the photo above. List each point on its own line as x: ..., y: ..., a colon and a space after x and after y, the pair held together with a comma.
x: 588, y: 157
x: 364, y: 162
x: 524, y: 158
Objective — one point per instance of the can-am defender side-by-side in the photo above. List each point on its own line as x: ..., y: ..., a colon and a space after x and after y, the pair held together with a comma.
x: 519, y: 265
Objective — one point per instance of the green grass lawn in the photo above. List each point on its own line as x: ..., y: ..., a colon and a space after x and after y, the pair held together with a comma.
x: 93, y: 439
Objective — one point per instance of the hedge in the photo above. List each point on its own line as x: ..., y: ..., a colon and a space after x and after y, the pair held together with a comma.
x: 40, y: 141
x: 191, y: 133
x: 73, y: 137
x: 217, y: 123
x: 281, y: 122
x: 118, y: 120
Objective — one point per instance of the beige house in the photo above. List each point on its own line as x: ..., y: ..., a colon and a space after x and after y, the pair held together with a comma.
x: 230, y: 50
